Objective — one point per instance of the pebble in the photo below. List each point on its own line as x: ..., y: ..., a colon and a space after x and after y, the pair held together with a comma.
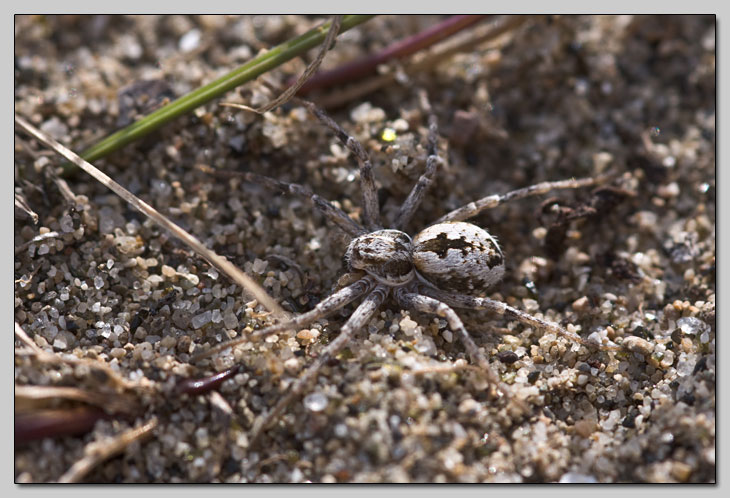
x: 577, y: 478
x: 638, y: 345
x: 190, y: 40
x: 581, y: 304
x: 315, y: 402
x: 202, y: 319
x: 692, y: 326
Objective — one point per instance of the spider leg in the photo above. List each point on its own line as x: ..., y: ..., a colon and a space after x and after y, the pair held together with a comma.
x: 329, y: 210
x: 359, y: 318
x: 427, y: 304
x: 463, y: 301
x: 371, y: 208
x: 474, y: 208
x: 426, y: 179
x: 325, y: 307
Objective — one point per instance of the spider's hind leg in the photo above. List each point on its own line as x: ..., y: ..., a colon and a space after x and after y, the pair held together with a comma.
x: 427, y: 304
x: 357, y: 320
x: 484, y: 303
x: 491, y: 201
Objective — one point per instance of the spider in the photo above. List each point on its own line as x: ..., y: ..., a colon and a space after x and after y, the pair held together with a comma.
x: 448, y: 265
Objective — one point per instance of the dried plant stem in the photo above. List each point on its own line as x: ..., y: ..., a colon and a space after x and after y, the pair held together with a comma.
x: 219, y: 262
x: 52, y: 358
x: 38, y: 238
x: 480, y: 35
x: 403, y: 48
x: 98, y: 451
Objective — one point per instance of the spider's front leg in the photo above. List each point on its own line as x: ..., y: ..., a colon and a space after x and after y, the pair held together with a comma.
x: 371, y: 207
x: 324, y: 308
x: 359, y: 318
x: 426, y: 304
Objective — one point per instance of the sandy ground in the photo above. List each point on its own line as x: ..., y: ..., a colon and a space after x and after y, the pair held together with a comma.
x: 557, y: 97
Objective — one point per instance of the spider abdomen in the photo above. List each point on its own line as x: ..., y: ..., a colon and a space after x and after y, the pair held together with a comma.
x: 458, y: 256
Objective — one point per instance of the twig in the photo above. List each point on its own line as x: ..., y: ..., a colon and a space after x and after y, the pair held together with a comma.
x: 98, y: 451
x: 403, y: 48
x: 38, y: 238
x: 51, y: 358
x: 218, y: 261
x: 358, y: 90
x: 22, y: 205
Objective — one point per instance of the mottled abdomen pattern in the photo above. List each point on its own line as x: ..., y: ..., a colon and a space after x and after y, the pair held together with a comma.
x: 459, y: 257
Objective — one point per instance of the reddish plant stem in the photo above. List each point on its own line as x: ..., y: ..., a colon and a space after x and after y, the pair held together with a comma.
x: 194, y: 387
x: 403, y: 48
x: 56, y: 423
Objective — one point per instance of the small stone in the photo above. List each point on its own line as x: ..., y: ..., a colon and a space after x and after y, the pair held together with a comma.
x: 168, y: 342
x: 681, y: 471
x: 118, y: 353
x: 638, y: 345
x: 581, y: 304
x: 577, y: 478
x: 507, y: 357
x: 55, y: 128
x: 315, y: 402
x: 308, y: 334
x: 60, y: 342
x: 190, y: 40
x: 292, y: 364
x: 584, y: 428
x: 201, y: 319
x: 259, y: 266
x: 692, y: 326
x: 168, y: 271
x: 230, y: 321
x: 407, y: 325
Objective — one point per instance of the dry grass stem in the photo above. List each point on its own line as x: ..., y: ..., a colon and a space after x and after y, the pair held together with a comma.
x: 218, y: 261
x: 419, y: 62
x: 98, y: 451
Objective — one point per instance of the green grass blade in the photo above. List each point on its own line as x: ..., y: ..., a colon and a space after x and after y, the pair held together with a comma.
x: 253, y: 69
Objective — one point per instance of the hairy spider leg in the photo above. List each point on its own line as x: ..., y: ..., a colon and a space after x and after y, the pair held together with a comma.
x: 371, y: 208
x: 484, y: 303
x: 429, y: 175
x: 474, y: 208
x: 324, y: 308
x: 357, y: 320
x: 427, y: 304
x: 329, y: 210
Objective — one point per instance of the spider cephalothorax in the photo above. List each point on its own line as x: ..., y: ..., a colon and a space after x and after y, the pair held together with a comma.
x: 450, y: 264
x: 387, y: 255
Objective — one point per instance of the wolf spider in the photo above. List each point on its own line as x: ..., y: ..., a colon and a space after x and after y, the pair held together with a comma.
x: 447, y: 265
